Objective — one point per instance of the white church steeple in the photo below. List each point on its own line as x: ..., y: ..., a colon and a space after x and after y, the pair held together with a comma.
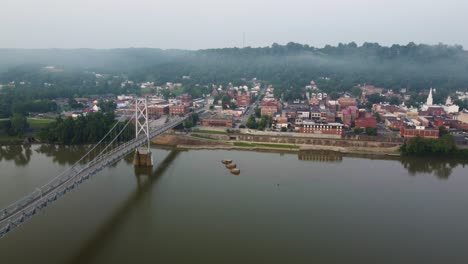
x: 429, y: 98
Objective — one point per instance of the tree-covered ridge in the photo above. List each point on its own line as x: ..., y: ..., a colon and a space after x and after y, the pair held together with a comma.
x: 288, y: 67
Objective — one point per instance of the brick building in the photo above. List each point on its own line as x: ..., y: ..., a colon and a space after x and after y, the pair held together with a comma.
x: 243, y: 99
x: 211, y: 120
x: 347, y: 101
x: 177, y: 109
x: 186, y: 99
x: 157, y: 110
x: 410, y: 132
x: 364, y: 122
x: 321, y: 128
x: 268, y: 108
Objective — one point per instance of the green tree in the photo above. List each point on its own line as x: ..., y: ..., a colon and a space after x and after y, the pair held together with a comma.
x: 358, y: 130
x: 371, y: 131
x: 107, y: 106
x: 378, y: 118
x: 442, y: 131
x: 251, y: 123
x: 265, y: 122
x: 258, y: 112
x: 394, y: 100
x: 19, y: 124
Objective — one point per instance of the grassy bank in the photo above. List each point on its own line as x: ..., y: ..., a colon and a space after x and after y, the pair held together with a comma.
x: 253, y: 145
x: 202, y: 136
x: 211, y: 132
x: 39, y: 123
x: 7, y: 140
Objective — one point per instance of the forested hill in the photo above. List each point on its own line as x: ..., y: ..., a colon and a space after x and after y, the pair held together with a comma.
x: 292, y: 65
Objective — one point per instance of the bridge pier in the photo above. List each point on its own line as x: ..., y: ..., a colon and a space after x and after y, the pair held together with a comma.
x: 143, y: 158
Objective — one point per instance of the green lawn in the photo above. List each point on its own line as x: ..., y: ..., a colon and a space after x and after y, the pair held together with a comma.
x: 283, y: 146
x: 4, y: 139
x: 212, y: 132
x: 202, y: 136
x: 39, y: 123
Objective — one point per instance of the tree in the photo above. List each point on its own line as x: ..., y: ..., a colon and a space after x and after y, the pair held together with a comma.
x: 19, y: 124
x: 334, y: 95
x: 265, y: 122
x: 374, y: 99
x: 258, y: 112
x: 74, y: 104
x: 188, y: 123
x: 107, y: 106
x: 251, y: 123
x: 443, y: 131
x: 356, y: 91
x: 394, y: 100
x: 371, y: 131
x: 378, y: 118
x: 226, y: 100
x: 358, y: 130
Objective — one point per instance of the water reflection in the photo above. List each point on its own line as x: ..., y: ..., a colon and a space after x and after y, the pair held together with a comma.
x: 63, y: 155
x: 146, y: 178
x: 21, y: 155
x: 68, y: 155
x: 320, y: 155
x: 442, y: 168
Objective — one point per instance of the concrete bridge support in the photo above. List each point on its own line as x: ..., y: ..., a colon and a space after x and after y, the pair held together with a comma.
x: 142, y: 158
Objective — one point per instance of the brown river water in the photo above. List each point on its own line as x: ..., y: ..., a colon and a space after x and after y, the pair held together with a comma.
x: 312, y: 207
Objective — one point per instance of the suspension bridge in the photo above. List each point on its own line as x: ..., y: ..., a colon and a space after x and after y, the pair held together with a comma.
x: 109, y: 150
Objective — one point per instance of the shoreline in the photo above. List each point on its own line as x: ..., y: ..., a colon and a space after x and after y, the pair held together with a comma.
x: 187, y: 142
x: 283, y: 150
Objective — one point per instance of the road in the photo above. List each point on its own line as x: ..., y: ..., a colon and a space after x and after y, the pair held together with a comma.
x: 251, y: 109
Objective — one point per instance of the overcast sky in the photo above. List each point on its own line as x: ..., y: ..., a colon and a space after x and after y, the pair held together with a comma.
x: 197, y: 24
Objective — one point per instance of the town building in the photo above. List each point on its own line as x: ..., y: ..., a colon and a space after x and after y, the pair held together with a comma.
x: 155, y: 111
x: 411, y: 132
x: 243, y: 99
x: 216, y: 120
x: 269, y: 108
x: 177, y: 109
x: 312, y: 127
x: 365, y: 122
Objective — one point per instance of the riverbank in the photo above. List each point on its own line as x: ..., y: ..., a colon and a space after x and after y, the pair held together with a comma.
x: 209, y: 142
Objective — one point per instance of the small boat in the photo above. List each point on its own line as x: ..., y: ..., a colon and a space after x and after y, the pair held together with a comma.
x: 235, y: 171
x: 226, y: 161
x: 231, y: 166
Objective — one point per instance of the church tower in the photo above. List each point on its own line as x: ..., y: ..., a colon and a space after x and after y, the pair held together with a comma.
x: 429, y: 98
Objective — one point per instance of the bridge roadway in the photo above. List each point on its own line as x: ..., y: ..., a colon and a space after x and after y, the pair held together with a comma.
x: 24, y: 209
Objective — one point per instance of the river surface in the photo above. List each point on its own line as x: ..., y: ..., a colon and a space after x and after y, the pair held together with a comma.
x: 283, y: 208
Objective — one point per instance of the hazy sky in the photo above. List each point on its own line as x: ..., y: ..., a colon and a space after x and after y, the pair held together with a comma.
x: 195, y: 24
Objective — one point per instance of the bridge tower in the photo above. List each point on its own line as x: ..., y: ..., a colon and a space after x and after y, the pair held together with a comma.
x: 143, y: 156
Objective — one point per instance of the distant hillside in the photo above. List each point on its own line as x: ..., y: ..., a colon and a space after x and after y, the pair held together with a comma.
x: 292, y: 65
